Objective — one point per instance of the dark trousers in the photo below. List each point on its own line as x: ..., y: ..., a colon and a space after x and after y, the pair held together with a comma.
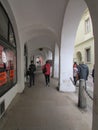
x: 75, y: 80
x: 47, y: 79
x: 32, y: 79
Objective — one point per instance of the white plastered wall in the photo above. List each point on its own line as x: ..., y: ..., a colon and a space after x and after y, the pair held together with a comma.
x: 20, y: 67
x: 49, y: 55
x: 71, y: 21
x: 56, y: 62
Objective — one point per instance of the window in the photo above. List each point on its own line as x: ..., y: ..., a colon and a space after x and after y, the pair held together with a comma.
x: 8, y: 76
x: 87, y: 25
x: 11, y: 36
x: 88, y: 55
x: 3, y: 24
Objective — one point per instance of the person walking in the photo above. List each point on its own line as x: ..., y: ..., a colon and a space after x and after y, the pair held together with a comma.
x: 46, y: 71
x: 75, y: 74
x: 75, y: 64
x: 83, y: 72
x: 32, y: 69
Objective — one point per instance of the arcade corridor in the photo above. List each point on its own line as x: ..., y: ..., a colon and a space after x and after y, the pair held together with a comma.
x: 44, y: 29
x: 45, y: 108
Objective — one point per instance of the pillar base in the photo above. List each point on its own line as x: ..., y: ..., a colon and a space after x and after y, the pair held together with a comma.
x: 67, y: 86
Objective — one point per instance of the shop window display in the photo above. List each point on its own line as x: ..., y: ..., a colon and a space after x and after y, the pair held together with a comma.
x: 7, y: 69
x: 8, y: 58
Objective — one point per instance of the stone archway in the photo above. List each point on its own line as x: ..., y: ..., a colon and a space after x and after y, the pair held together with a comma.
x: 67, y: 39
x: 71, y: 21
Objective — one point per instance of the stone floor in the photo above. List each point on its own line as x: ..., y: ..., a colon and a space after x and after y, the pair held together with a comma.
x: 45, y: 108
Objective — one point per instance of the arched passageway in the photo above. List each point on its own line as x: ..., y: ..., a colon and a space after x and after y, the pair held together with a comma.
x: 25, y: 31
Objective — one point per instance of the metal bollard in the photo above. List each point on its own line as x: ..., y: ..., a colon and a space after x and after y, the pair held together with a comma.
x: 82, y: 103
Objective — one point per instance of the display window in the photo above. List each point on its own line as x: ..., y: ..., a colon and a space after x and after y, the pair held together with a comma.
x: 3, y: 23
x: 7, y: 68
x: 8, y: 75
x: 11, y: 36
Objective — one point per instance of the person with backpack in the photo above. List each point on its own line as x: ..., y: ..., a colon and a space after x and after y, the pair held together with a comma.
x: 32, y: 69
x: 46, y: 71
x: 83, y: 72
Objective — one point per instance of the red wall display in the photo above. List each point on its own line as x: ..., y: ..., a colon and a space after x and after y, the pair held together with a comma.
x: 7, y: 68
x: 3, y: 78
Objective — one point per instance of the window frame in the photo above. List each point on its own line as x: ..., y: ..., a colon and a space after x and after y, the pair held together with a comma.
x: 87, y: 25
x: 88, y: 58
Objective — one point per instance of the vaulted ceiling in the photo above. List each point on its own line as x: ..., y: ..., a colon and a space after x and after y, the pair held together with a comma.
x: 39, y: 19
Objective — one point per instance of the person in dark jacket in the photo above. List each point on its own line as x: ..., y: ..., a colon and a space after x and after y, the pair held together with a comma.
x: 32, y: 69
x: 83, y: 72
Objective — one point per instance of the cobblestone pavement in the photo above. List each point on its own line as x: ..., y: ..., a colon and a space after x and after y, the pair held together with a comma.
x: 45, y: 108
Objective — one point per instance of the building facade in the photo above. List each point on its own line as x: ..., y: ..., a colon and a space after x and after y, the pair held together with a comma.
x: 84, y: 43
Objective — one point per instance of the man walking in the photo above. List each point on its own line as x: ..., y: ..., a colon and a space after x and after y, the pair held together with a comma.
x: 32, y: 69
x: 83, y: 72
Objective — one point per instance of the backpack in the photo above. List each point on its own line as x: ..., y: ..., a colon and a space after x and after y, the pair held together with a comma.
x: 32, y: 68
x: 27, y: 73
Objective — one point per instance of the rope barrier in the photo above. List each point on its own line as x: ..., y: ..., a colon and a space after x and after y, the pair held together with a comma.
x: 84, y: 89
x: 88, y: 93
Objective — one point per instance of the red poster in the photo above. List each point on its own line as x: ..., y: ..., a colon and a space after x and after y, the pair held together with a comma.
x: 11, y: 74
x: 3, y: 78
